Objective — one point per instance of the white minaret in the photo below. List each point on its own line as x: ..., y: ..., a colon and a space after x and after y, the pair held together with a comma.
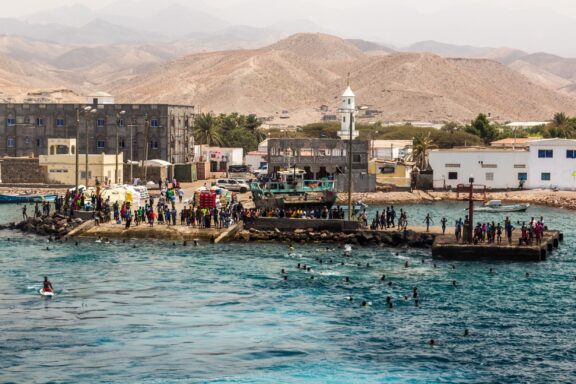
x: 348, y: 115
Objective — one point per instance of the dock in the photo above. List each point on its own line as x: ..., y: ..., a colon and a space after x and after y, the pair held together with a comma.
x: 446, y: 247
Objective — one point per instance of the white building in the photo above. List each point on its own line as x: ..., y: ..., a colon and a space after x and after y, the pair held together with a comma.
x: 347, y: 115
x: 219, y: 158
x: 552, y: 164
x: 496, y: 168
x: 99, y: 98
x: 546, y: 163
x: 390, y: 149
x: 256, y: 159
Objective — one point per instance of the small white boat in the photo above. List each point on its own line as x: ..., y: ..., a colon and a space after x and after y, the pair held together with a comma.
x: 497, y: 206
x: 44, y: 293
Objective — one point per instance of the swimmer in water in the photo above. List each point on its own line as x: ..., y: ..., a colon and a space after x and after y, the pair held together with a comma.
x: 466, y: 332
x: 347, y: 279
x: 435, y: 265
x: 195, y: 243
x: 433, y: 343
x: 367, y: 265
x: 415, y: 292
x: 285, y: 278
x: 298, y: 266
x: 527, y: 274
x: 283, y: 271
x: 364, y: 303
x: 454, y: 283
x: 47, y: 285
x: 389, y: 283
x: 453, y: 267
x: 350, y: 298
x: 491, y: 271
x: 406, y: 265
x: 383, y: 278
x: 311, y: 277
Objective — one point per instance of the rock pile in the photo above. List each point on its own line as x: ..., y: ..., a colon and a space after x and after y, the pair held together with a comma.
x: 56, y: 225
x: 365, y: 238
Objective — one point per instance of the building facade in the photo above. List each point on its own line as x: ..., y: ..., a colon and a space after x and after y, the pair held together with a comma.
x: 153, y: 131
x: 60, y: 164
x: 545, y: 163
x: 323, y: 158
x: 552, y: 164
x: 496, y: 168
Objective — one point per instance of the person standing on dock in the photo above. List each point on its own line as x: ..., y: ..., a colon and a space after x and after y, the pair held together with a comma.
x: 508, y: 228
x: 443, y: 222
x: 24, y: 214
x: 428, y: 220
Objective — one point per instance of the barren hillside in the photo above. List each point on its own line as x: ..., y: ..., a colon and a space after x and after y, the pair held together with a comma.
x: 302, y: 72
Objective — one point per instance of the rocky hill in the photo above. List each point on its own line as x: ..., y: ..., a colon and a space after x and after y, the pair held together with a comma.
x: 304, y: 71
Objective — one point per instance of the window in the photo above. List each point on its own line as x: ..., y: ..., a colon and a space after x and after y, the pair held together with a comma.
x: 343, y: 119
x: 120, y: 122
x: 122, y: 143
x: 154, y: 123
x: 27, y: 140
x: 59, y: 122
x: 545, y: 153
x: 100, y: 144
x: 11, y: 142
x: 545, y: 176
x: 101, y: 122
x: 489, y: 176
x: 452, y: 165
x: 83, y: 174
x: 356, y: 158
x: 10, y: 122
x: 39, y: 122
x: 520, y: 166
x: 571, y: 154
x: 349, y: 101
x: 153, y: 145
x: 522, y: 176
x: 452, y: 175
x: 489, y: 165
x: 37, y: 142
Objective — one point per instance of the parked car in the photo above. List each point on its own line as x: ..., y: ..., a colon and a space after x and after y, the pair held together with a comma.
x: 233, y: 185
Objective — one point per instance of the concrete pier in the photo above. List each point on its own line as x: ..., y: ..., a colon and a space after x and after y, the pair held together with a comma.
x: 446, y: 247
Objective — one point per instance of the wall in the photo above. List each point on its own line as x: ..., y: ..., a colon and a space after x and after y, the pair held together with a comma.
x: 62, y: 168
x: 22, y: 171
x: 559, y: 166
x: 255, y: 160
x: 475, y: 162
x: 269, y: 224
x: 27, y: 137
x: 361, y: 182
x: 185, y: 172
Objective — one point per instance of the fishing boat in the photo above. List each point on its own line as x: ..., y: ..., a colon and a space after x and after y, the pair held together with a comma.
x: 497, y: 206
x: 291, y: 190
x: 25, y: 198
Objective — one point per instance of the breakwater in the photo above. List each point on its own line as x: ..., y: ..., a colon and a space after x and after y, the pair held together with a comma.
x: 56, y: 225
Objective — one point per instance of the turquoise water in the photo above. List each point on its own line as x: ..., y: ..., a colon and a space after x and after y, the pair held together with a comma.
x: 160, y: 313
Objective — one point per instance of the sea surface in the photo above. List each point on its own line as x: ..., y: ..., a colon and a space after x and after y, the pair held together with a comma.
x: 154, y: 312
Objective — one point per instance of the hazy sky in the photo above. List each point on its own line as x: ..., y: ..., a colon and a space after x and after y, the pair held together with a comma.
x: 532, y: 25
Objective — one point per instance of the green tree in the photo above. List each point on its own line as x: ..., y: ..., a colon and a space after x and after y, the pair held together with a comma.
x: 560, y: 119
x: 482, y: 128
x: 207, y: 130
x: 421, y: 145
x: 243, y: 138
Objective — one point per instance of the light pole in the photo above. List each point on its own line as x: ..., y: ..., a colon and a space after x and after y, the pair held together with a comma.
x: 471, y: 210
x: 118, y: 120
x: 146, y: 144
x: 132, y: 150
x: 91, y: 111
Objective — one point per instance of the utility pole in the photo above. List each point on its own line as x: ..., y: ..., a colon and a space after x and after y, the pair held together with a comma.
x: 350, y: 167
x: 76, y: 148
x: 471, y: 211
x: 116, y: 174
x: 132, y: 151
x: 146, y: 144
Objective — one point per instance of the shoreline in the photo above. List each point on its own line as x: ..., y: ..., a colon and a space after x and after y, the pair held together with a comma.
x: 545, y: 197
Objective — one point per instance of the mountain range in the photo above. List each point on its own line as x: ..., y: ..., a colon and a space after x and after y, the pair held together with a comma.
x: 184, y: 54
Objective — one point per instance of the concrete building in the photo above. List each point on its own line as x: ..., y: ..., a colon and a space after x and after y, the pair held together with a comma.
x: 545, y: 163
x: 323, y: 158
x: 496, y: 168
x: 256, y: 159
x: 155, y: 131
x: 218, y: 158
x: 60, y: 164
x: 392, y: 173
x: 390, y: 149
x: 552, y: 164
x: 514, y: 142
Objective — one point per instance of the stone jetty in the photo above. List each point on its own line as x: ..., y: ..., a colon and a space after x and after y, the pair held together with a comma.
x: 54, y: 225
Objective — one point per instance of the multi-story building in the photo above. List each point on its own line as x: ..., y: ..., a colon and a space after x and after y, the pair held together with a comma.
x: 145, y: 131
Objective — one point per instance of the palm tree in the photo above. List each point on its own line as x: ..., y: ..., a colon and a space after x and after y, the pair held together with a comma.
x: 559, y: 119
x: 252, y: 123
x: 420, y: 147
x: 207, y: 130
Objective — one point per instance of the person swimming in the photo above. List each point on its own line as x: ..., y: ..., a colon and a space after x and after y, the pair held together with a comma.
x: 347, y: 279
x: 466, y: 332
x: 433, y: 343
x: 364, y: 303
x: 389, y: 283
x: 527, y: 274
x: 406, y: 264
x: 383, y: 278
x: 415, y: 292
x: 47, y: 285
x: 454, y: 283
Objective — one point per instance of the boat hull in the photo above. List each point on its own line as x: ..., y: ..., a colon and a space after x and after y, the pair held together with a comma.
x: 504, y: 208
x: 23, y: 199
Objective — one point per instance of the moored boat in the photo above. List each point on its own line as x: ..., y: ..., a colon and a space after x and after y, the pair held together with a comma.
x: 497, y: 206
x: 25, y: 198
